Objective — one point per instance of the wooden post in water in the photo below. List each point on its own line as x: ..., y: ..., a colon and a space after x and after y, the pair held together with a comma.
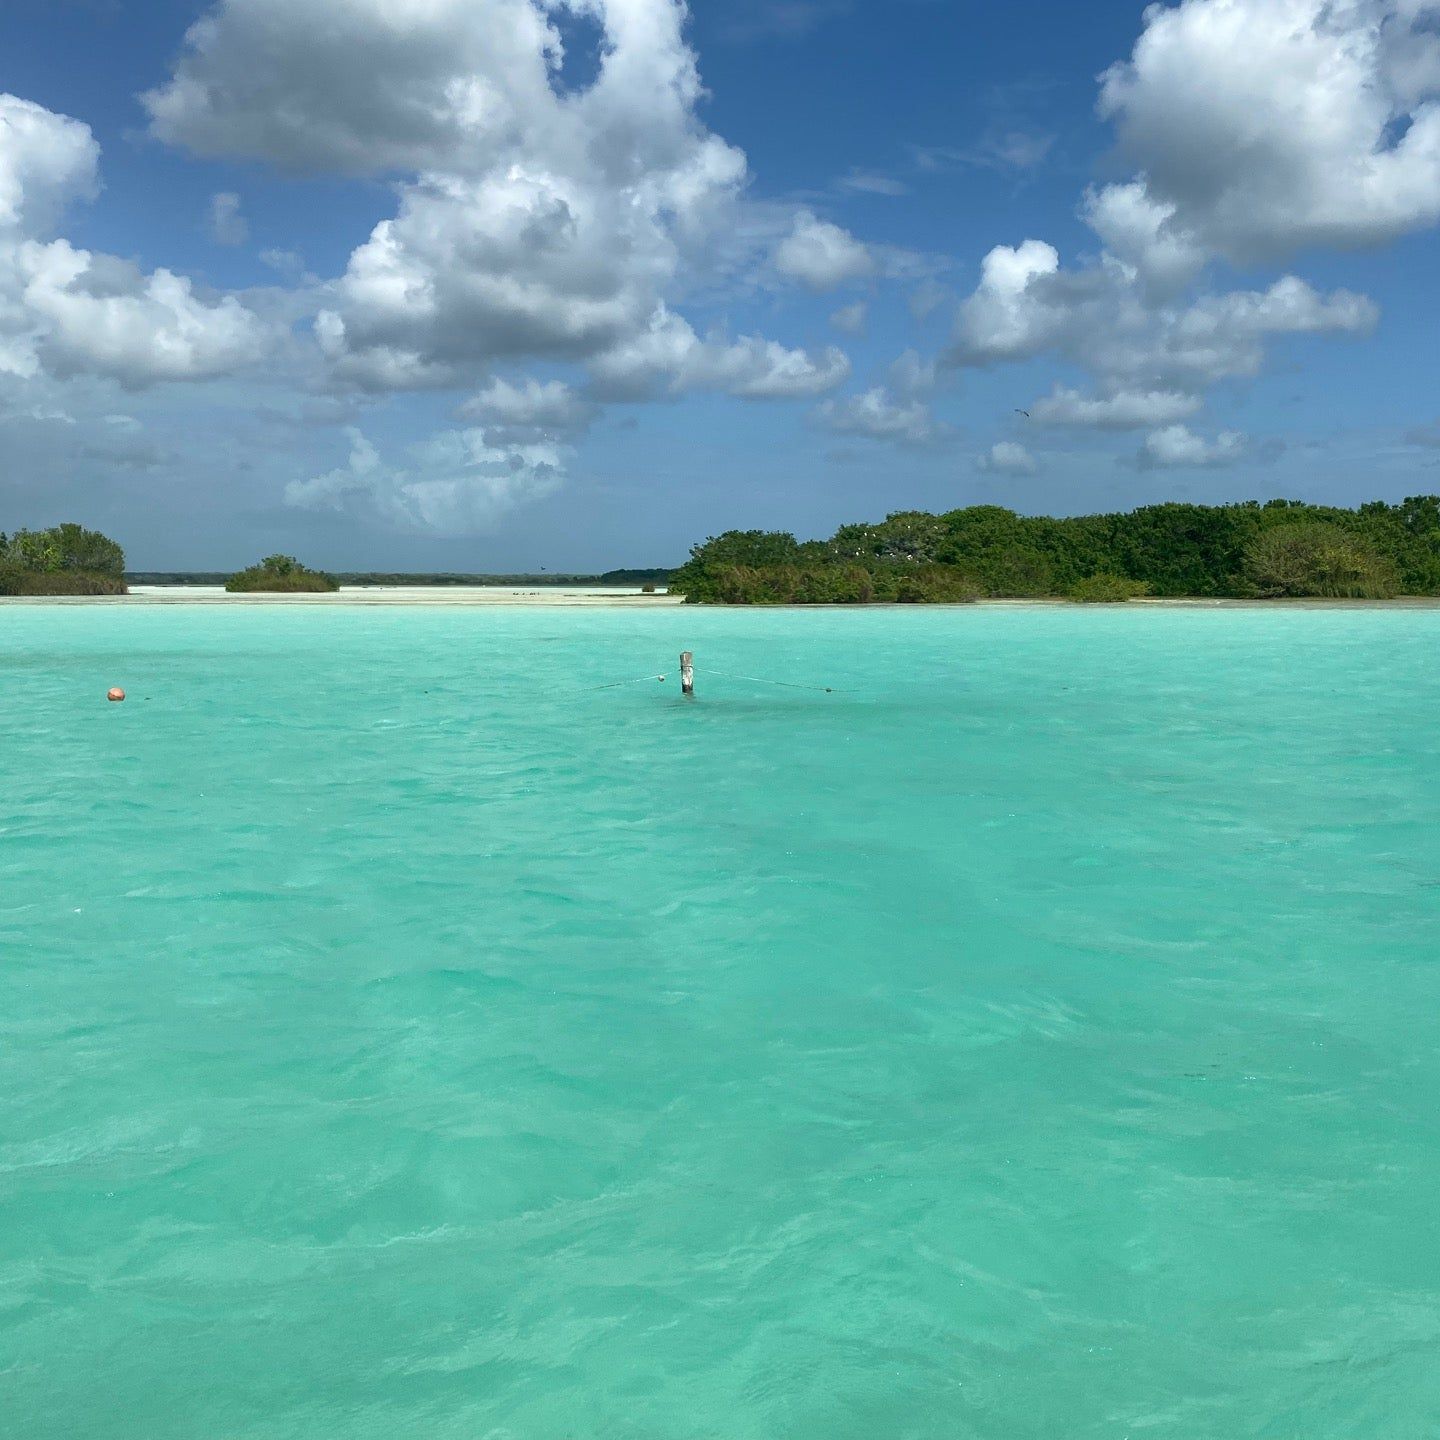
x: 687, y: 674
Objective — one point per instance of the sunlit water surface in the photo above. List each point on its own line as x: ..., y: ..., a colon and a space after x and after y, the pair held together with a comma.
x: 402, y: 1037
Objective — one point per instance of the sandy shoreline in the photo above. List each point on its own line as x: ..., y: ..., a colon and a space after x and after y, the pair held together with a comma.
x: 464, y: 597
x: 448, y: 596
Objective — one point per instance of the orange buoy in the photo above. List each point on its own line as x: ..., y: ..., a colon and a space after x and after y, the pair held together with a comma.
x: 116, y: 694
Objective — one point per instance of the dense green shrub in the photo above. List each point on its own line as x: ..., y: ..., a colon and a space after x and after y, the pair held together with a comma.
x: 15, y: 581
x: 830, y: 585
x: 281, y: 575
x: 927, y: 585
x: 1107, y: 590
x: 1318, y: 559
x: 788, y: 585
x: 66, y: 560
x: 833, y: 585
x: 910, y: 537
x: 1015, y: 572
x: 1168, y: 550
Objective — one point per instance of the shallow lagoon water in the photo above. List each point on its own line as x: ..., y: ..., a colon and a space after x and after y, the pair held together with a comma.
x: 1037, y: 1037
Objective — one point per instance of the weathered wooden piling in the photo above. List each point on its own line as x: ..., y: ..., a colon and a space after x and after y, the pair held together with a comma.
x: 687, y: 673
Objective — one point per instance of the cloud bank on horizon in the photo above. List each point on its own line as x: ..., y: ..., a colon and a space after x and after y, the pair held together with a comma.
x: 563, y: 241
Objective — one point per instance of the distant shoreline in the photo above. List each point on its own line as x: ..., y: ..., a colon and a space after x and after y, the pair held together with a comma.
x: 462, y: 598
x: 369, y: 595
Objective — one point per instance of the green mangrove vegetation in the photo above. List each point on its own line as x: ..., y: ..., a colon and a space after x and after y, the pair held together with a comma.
x: 281, y: 575
x: 1106, y: 589
x: 66, y: 560
x: 1253, y: 550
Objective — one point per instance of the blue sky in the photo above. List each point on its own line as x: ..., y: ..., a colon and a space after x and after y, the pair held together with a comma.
x: 495, y: 284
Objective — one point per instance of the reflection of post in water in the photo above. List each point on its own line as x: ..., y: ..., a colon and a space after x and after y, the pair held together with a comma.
x: 687, y: 674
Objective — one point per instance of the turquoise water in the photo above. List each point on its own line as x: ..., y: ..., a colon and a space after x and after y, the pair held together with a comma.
x: 1035, y: 1038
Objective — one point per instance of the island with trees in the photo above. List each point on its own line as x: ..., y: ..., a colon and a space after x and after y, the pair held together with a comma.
x: 281, y: 575
x: 433, y: 580
x: 1278, y: 549
x: 1253, y: 550
x: 66, y: 560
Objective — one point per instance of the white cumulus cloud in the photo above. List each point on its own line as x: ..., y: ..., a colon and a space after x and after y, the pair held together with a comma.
x: 1003, y: 319
x: 877, y: 414
x: 1007, y: 457
x: 67, y: 311
x: 101, y: 315
x: 1266, y: 126
x: 669, y: 358
x: 821, y: 255
x: 550, y: 406
x: 1260, y: 128
x: 46, y: 162
x: 365, y: 86
x: 1176, y: 447
x: 1142, y: 239
x: 1124, y: 410
x: 1100, y: 318
x: 459, y: 482
x: 536, y: 221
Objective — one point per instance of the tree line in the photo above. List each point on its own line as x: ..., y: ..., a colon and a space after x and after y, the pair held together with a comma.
x: 65, y: 560
x: 281, y: 575
x: 1281, y: 548
x: 71, y: 560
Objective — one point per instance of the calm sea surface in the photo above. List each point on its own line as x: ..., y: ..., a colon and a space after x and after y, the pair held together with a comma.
x: 401, y: 1039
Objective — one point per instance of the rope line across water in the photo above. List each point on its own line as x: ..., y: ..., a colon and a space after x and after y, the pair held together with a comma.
x: 639, y: 680
x: 758, y: 680
x: 724, y: 674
